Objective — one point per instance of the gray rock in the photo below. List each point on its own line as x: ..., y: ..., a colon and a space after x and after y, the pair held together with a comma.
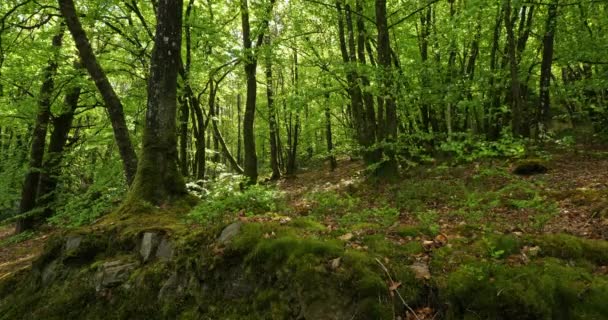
x: 113, y: 273
x: 49, y: 273
x: 230, y: 232
x: 169, y: 288
x: 149, y: 243
x: 165, y: 250
x: 72, y: 243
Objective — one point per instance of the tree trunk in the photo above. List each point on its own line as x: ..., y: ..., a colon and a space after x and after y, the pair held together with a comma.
x: 62, y: 125
x: 543, y: 114
x: 389, y: 168
x: 158, y: 180
x: 494, y: 117
x: 239, y: 142
x: 517, y: 121
x: 251, y: 158
x: 32, y: 177
x: 274, y: 150
x: 113, y: 104
x: 333, y: 164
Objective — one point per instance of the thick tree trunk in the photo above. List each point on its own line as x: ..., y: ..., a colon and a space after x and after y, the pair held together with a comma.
x: 158, y: 180
x: 113, y: 104
x: 32, y: 177
x: 543, y: 114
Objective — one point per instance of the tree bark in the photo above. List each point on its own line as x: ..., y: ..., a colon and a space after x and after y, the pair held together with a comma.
x: 113, y: 104
x: 543, y: 114
x: 333, y: 164
x: 32, y: 177
x: 158, y: 180
x: 517, y: 121
x: 62, y: 125
x: 274, y: 150
x: 251, y: 158
x: 389, y: 168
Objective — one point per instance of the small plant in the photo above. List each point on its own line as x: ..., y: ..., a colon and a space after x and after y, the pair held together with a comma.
x: 18, y: 238
x: 331, y: 202
x: 254, y: 200
x: 384, y: 216
x: 428, y: 219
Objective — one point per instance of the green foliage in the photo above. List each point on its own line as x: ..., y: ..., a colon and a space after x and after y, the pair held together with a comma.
x: 226, y: 202
x: 469, y: 148
x: 384, y: 217
x: 81, y: 204
x: 17, y: 238
x: 332, y: 203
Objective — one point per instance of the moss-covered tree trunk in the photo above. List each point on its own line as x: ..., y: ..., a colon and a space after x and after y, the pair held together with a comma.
x: 158, y: 180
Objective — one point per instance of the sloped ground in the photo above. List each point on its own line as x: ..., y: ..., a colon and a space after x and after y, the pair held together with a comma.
x: 461, y: 242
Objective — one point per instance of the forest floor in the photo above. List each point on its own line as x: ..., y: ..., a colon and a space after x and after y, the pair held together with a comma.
x: 438, y: 220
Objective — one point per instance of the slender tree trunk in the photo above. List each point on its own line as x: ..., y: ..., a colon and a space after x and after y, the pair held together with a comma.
x: 517, y: 121
x: 251, y: 158
x: 543, y: 114
x: 389, y: 168
x: 425, y: 31
x: 217, y: 135
x: 494, y: 116
x: 113, y: 104
x: 239, y: 141
x: 183, y: 135
x: 274, y: 150
x: 333, y: 164
x: 32, y: 177
x: 200, y: 157
x: 158, y: 180
x: 62, y: 125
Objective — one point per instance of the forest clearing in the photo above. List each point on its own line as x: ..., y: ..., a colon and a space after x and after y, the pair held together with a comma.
x: 303, y: 159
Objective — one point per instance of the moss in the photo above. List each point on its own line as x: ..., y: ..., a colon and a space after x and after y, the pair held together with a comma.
x: 570, y: 247
x: 308, y: 224
x: 499, y: 246
x: 415, y: 231
x: 548, y: 289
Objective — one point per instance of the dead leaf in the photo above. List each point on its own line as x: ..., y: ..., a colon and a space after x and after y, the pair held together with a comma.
x: 421, y: 270
x: 441, y: 239
x: 346, y: 237
x: 335, y: 263
x: 394, y: 286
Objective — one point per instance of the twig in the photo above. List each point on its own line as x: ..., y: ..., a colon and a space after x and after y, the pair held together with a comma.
x: 397, y: 291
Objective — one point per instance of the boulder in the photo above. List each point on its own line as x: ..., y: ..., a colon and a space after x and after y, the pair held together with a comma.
x: 230, y: 232
x: 113, y: 273
x: 164, y: 252
x: 72, y: 243
x: 149, y: 244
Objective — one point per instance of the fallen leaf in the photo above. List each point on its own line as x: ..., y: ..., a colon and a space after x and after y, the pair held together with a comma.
x: 346, y: 237
x: 421, y: 270
x: 394, y: 286
x: 335, y: 263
